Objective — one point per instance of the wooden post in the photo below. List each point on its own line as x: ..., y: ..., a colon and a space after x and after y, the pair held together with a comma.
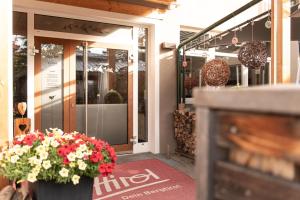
x: 280, y: 42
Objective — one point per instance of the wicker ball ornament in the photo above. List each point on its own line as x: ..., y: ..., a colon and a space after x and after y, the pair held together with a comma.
x: 253, y: 54
x: 216, y: 72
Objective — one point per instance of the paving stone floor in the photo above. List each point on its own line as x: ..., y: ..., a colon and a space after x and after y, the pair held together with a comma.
x: 180, y: 163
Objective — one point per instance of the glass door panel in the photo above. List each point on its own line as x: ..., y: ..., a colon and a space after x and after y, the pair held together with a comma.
x: 52, y: 64
x: 102, y: 93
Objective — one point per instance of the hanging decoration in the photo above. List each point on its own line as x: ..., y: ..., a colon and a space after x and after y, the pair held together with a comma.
x: 253, y: 54
x: 235, y: 39
x: 268, y: 23
x: 216, y: 72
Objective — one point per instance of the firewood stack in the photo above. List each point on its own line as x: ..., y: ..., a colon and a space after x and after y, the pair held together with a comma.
x: 184, y: 123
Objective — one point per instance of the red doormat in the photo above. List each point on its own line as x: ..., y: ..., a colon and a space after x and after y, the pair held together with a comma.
x: 144, y: 180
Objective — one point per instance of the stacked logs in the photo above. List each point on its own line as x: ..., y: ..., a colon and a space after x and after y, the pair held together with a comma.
x: 184, y: 124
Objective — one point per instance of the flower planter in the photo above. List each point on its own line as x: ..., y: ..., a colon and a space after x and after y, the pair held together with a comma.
x: 48, y: 190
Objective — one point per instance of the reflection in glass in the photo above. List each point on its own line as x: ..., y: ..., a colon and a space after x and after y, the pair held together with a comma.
x: 192, y: 70
x: 19, y: 60
x: 107, y: 94
x: 142, y: 85
x: 52, y: 57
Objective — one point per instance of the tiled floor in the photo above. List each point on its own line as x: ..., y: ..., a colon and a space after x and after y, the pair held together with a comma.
x: 180, y: 163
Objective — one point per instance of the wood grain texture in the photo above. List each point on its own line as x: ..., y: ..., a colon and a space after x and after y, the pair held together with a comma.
x: 22, y: 126
x: 270, y: 135
x: 234, y: 182
x: 109, y: 5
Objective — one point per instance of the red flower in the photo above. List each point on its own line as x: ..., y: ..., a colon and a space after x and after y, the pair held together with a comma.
x: 29, y: 139
x: 106, y: 168
x: 66, y: 161
x: 96, y: 157
x: 63, y: 151
x: 112, y: 153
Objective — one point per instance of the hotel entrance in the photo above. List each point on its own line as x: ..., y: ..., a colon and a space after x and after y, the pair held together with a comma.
x: 84, y: 86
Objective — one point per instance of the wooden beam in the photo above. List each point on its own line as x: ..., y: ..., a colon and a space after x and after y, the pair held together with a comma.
x: 147, y: 3
x: 280, y: 42
x: 110, y: 5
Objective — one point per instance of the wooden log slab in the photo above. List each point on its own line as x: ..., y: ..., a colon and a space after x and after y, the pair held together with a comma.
x: 233, y: 182
x: 270, y: 135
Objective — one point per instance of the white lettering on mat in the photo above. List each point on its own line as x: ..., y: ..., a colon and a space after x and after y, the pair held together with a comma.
x: 116, y: 186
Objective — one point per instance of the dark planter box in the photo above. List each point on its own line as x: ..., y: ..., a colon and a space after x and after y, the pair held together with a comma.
x: 48, y: 190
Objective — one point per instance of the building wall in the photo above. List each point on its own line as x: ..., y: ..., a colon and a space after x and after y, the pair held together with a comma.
x: 6, y: 71
x: 170, y: 31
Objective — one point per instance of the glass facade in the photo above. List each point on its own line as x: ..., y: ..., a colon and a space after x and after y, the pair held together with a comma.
x: 19, y: 60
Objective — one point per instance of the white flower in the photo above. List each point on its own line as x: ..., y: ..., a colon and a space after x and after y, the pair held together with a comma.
x: 46, y: 164
x: 41, y: 148
x: 54, y: 143
x: 21, y: 137
x: 46, y: 143
x: 72, y: 164
x: 1, y: 156
x: 79, y: 154
x: 81, y: 165
x: 26, y: 148
x: 14, y: 159
x: 37, y: 161
x: 68, y: 136
x: 36, y: 170
x: 57, y: 132
x: 32, y: 160
x: 43, y: 155
x: 75, y: 179
x: 19, y: 152
x: 71, y: 157
x: 82, y: 148
x: 31, y: 177
x: 64, y: 172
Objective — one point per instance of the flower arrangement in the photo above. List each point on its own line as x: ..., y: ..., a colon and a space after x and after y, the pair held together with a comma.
x: 56, y: 156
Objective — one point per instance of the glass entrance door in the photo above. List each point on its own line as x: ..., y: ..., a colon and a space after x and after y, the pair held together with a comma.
x: 85, y: 87
x: 103, y: 94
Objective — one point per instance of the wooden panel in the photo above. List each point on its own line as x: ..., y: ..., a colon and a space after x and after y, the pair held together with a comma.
x: 72, y: 85
x: 234, y: 182
x: 37, y: 88
x: 268, y: 135
x: 22, y: 126
x: 66, y: 85
x: 108, y: 5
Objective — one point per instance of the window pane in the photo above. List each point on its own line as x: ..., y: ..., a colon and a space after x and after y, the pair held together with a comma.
x: 52, y: 66
x: 142, y: 87
x: 19, y: 60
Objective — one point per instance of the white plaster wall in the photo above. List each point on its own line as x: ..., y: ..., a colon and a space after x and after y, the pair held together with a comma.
x: 202, y: 13
x: 169, y: 31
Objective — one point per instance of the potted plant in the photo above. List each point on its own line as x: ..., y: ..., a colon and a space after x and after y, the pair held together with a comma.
x: 60, y: 165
